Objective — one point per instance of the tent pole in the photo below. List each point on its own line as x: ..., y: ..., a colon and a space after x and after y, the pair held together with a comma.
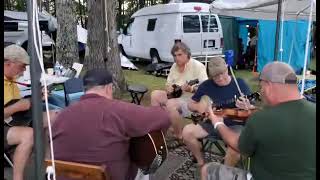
x: 275, y: 56
x: 35, y: 72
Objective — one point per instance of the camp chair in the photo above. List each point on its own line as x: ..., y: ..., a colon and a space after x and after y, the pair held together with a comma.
x: 73, y: 89
x: 79, y: 170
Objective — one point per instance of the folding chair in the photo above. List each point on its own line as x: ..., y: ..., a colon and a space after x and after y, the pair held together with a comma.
x: 208, y: 142
x: 73, y: 89
x: 79, y: 170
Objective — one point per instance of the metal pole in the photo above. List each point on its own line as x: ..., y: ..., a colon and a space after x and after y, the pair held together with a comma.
x: 277, y: 31
x: 35, y: 72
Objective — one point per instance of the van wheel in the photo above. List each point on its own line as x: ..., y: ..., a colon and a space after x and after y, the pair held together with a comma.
x: 154, y: 57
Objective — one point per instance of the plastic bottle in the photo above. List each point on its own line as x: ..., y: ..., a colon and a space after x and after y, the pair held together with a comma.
x: 57, y: 70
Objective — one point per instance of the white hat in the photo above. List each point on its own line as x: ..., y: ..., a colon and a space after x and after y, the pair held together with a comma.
x: 16, y: 53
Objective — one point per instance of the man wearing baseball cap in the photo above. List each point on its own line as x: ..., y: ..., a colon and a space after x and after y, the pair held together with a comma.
x: 281, y: 138
x: 97, y: 129
x: 221, y: 88
x: 15, y: 61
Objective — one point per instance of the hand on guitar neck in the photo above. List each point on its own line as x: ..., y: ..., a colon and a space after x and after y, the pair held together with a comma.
x: 178, y: 90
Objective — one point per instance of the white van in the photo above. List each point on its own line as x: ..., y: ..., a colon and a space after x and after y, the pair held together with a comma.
x: 152, y: 31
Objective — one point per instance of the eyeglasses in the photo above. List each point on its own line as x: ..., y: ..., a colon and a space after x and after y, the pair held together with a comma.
x: 20, y: 65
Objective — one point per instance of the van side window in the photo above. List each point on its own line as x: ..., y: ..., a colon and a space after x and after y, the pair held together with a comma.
x: 151, y: 24
x: 213, y: 23
x: 191, y: 24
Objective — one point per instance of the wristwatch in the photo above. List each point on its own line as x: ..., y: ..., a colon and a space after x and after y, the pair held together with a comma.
x: 217, y: 124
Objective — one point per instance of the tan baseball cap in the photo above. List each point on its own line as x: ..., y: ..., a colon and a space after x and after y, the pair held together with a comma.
x: 278, y: 72
x: 16, y: 53
x: 216, y: 65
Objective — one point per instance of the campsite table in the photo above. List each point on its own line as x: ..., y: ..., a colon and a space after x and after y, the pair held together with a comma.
x: 137, y: 91
x: 51, y: 79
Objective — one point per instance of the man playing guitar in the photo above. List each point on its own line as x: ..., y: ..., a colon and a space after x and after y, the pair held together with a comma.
x: 184, y: 70
x: 15, y: 61
x: 221, y: 88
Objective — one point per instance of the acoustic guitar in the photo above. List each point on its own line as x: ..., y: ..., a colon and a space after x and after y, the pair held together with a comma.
x: 148, y: 152
x: 21, y: 118
x: 177, y: 91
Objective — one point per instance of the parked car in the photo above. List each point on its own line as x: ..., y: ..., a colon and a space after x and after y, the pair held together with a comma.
x: 152, y: 31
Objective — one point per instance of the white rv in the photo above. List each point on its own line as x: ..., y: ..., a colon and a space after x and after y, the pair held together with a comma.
x: 152, y: 31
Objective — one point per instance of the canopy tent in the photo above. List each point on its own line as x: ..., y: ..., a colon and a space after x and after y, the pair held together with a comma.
x: 44, y: 16
x: 265, y: 11
x: 22, y: 16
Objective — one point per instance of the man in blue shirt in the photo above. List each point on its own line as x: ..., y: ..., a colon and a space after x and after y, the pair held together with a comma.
x: 223, y: 90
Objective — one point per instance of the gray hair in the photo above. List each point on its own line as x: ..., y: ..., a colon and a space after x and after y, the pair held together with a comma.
x: 16, y: 53
x: 181, y: 46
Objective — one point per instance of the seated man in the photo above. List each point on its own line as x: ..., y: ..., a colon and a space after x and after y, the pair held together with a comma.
x: 280, y: 139
x: 15, y: 61
x: 221, y: 89
x: 183, y: 70
x: 21, y: 137
x: 97, y: 129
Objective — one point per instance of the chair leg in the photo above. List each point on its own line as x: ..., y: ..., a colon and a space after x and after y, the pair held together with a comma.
x: 8, y: 160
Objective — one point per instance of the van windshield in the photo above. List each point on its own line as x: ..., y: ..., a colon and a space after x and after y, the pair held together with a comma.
x: 213, y: 23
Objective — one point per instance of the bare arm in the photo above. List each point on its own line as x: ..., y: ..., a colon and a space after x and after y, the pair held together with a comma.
x: 228, y: 136
x: 21, y: 105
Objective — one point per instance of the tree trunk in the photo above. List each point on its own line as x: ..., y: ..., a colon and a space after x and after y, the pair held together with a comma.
x: 102, y: 42
x: 67, y: 41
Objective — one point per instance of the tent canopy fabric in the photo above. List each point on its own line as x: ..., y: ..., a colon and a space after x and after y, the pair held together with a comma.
x: 22, y: 16
x: 294, y: 30
x: 263, y: 9
x: 44, y: 16
x: 294, y: 42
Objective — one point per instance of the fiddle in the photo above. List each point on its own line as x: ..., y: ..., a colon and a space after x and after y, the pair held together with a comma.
x: 233, y: 113
x: 177, y: 91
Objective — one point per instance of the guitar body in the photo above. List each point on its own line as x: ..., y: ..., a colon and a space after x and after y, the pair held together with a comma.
x: 22, y: 118
x: 148, y: 152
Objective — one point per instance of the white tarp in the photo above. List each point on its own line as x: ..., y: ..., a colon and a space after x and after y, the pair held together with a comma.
x: 125, y: 62
x: 82, y: 34
x: 263, y: 9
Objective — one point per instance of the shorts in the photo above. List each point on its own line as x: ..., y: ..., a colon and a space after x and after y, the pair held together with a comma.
x: 214, y: 133
x: 184, y: 110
